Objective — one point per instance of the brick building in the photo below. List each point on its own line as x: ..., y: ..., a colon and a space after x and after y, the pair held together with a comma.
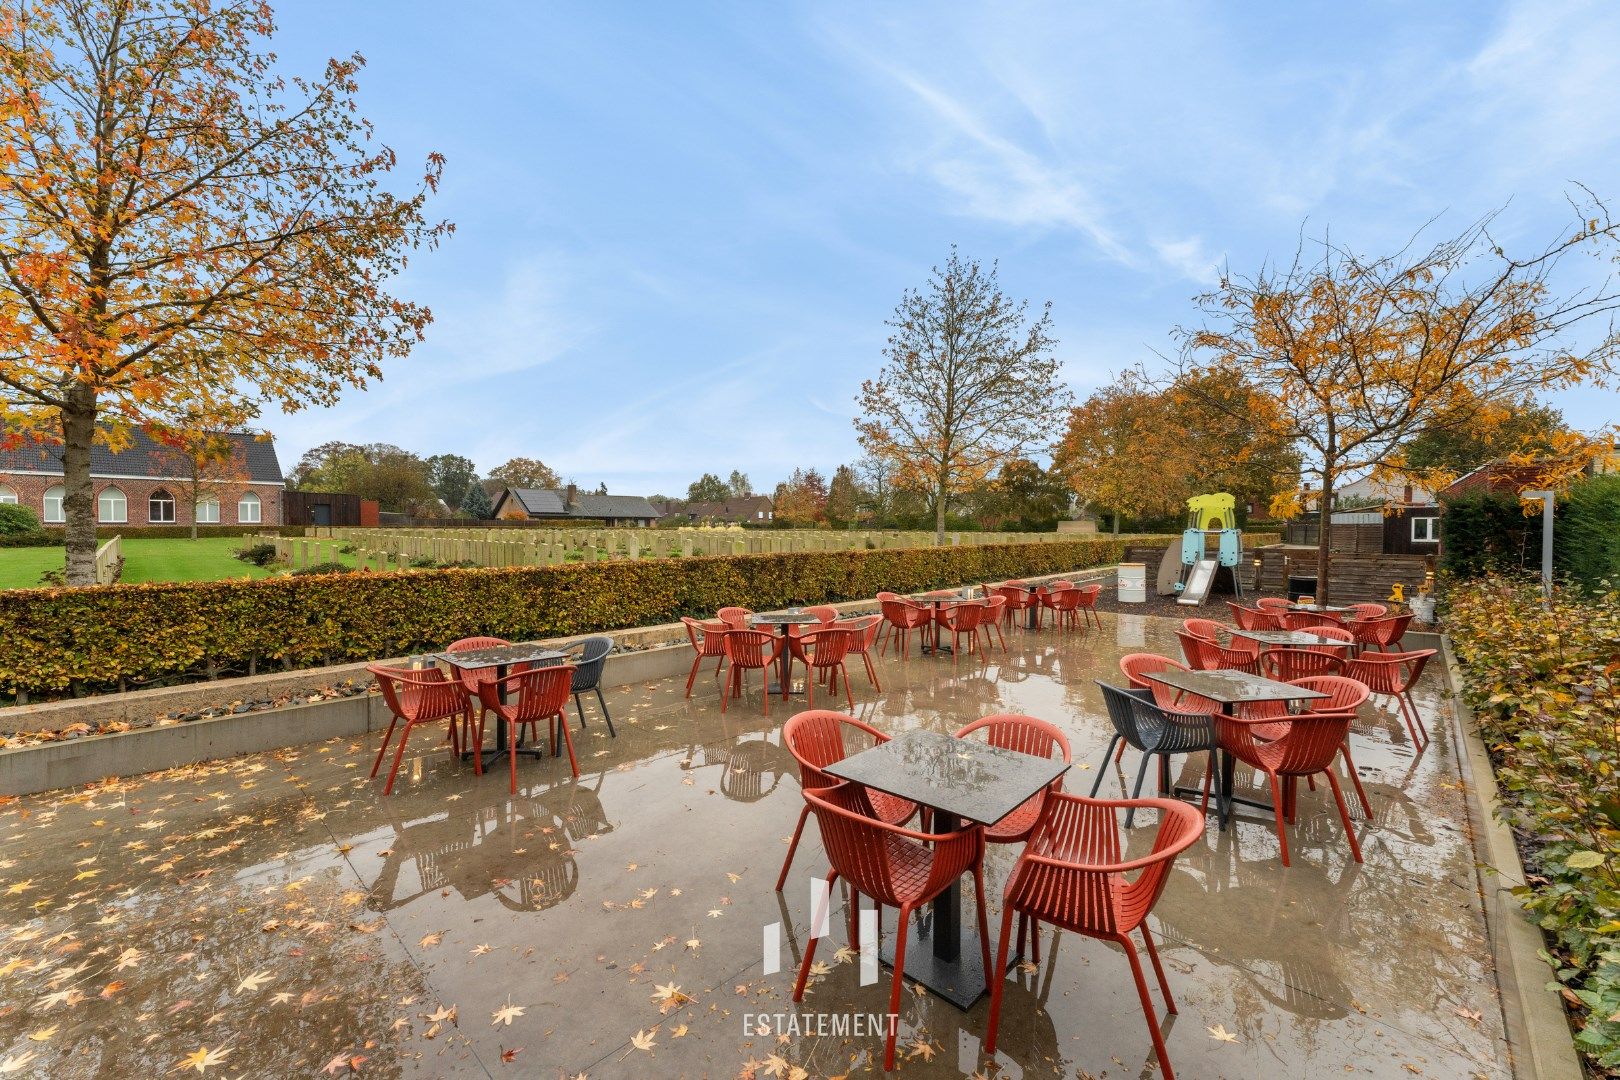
x: 148, y: 483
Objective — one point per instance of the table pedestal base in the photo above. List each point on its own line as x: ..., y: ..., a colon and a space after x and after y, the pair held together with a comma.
x: 960, y: 981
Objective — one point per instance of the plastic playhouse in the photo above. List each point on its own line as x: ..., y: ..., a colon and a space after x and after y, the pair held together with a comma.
x: 1207, y: 514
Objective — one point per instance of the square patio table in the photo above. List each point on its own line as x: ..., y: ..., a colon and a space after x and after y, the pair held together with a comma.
x: 1288, y: 639
x: 960, y: 780
x: 502, y: 658
x: 1230, y: 688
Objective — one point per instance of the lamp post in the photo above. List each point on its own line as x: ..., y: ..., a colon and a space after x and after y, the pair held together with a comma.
x: 1546, y: 498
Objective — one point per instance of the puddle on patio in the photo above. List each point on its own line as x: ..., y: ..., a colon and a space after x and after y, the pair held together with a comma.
x: 275, y: 915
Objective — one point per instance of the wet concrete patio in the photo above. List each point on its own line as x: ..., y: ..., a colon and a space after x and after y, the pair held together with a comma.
x: 275, y: 915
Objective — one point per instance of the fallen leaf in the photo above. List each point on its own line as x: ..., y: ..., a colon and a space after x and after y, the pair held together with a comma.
x: 1219, y: 1033
x: 507, y: 1014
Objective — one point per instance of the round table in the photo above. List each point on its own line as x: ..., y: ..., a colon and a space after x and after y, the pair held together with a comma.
x: 784, y: 666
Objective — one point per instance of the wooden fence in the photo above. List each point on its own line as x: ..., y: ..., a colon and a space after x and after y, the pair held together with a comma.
x: 109, y: 561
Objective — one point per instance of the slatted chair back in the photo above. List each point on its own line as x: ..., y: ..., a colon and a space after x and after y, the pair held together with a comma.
x: 1020, y: 734
x: 824, y: 613
x: 1208, y: 629
x: 1134, y: 665
x: 1309, y: 620
x: 418, y: 695
x: 735, y: 618
x: 531, y: 695
x: 752, y: 649
x: 1121, y: 714
x: 864, y: 630
x: 1382, y: 633
x: 823, y: 648
x: 1307, y: 745
x: 1271, y: 603
x: 1286, y: 665
x: 862, y: 849
x: 1362, y: 612
x: 1343, y: 694
x: 1173, y: 731
x: 1388, y: 673
x: 471, y: 677
x: 1337, y: 633
x: 1248, y: 618
x: 708, y: 638
x: 592, y: 658
x: 904, y: 614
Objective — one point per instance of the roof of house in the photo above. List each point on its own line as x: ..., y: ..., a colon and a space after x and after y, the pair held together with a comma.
x: 746, y: 506
x: 1500, y: 476
x: 145, y: 457
x: 545, y: 502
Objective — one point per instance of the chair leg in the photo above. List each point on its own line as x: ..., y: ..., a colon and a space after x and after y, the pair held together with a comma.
x: 1147, y: 1008
x: 764, y: 689
x: 383, y: 749
x: 691, y: 676
x: 849, y: 696
x: 581, y: 710
x: 1344, y: 815
x: 871, y: 672
x: 1158, y: 968
x: 1278, y: 808
x: 733, y: 688
x: 1414, y: 723
x: 894, y: 992
x: 602, y: 701
x: 793, y: 846
x: 1209, y: 775
x: 1136, y: 792
x: 511, y: 750
x: 1097, y: 783
x: 995, y: 983
x: 399, y: 755
x: 810, y: 946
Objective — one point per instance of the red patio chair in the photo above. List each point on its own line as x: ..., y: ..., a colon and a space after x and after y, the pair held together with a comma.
x: 1088, y: 604
x: 1309, y: 620
x: 902, y: 618
x: 1248, y: 618
x: 1361, y: 612
x: 1205, y: 655
x: 1023, y: 735
x: 751, y: 650
x: 822, y: 653
x: 472, y: 677
x: 1337, y: 633
x: 960, y: 619
x: 991, y: 620
x: 1211, y: 631
x: 1018, y: 602
x: 1307, y: 748
x: 418, y: 696
x: 865, y: 630
x: 1392, y: 674
x: 816, y: 739
x: 735, y: 618
x: 708, y: 639
x: 1344, y: 695
x: 884, y: 628
x: 1064, y: 604
x: 541, y: 694
x: 1134, y: 665
x: 896, y: 867
x: 1286, y: 665
x: 825, y: 615
x: 1383, y: 634
x: 1208, y: 629
x: 1272, y: 603
x: 1073, y: 875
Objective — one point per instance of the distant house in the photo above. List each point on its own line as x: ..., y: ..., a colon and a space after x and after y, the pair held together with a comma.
x: 571, y: 504
x: 148, y: 483
x: 756, y: 509
x: 1497, y: 477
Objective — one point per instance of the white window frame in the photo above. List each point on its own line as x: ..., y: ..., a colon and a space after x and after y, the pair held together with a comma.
x: 105, y: 498
x: 1432, y: 531
x: 249, y: 500
x: 152, y: 502
x: 7, y: 494
x: 207, y: 512
x: 54, y: 494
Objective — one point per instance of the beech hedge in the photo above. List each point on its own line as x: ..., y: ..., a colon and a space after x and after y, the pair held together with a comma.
x: 83, y: 639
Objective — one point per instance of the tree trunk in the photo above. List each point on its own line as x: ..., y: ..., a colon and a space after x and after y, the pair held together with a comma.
x: 79, y: 499
x: 939, y: 513
x: 1116, y: 524
x: 1324, y: 537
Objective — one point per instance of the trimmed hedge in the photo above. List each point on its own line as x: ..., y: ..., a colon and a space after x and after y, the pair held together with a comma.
x: 55, y: 535
x: 1586, y: 536
x: 88, y: 638
x: 1486, y: 532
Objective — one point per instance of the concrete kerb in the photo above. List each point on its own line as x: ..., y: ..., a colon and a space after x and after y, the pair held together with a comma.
x: 659, y: 652
x: 1541, y: 1044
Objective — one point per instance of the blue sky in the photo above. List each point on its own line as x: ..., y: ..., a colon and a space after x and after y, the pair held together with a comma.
x: 680, y: 227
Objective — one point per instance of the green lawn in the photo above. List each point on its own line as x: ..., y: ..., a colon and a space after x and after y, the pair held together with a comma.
x: 180, y: 559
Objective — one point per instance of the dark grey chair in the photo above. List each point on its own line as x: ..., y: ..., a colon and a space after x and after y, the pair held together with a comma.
x: 1155, y: 732
x: 593, y: 652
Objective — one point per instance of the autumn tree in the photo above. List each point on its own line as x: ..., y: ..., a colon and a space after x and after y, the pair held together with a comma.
x: 520, y: 472
x: 185, y: 230
x: 968, y: 382
x: 1025, y: 495
x: 843, y: 498
x: 1112, y: 452
x: 801, y: 499
x: 451, y: 475
x: 708, y: 488
x: 1444, y: 452
x: 209, y: 463
x: 396, y: 479
x: 1363, y: 353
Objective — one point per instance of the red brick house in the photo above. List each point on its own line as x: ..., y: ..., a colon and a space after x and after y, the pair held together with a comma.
x: 148, y: 483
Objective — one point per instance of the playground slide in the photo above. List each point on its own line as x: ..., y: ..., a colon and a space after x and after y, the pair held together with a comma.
x: 1198, y: 582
